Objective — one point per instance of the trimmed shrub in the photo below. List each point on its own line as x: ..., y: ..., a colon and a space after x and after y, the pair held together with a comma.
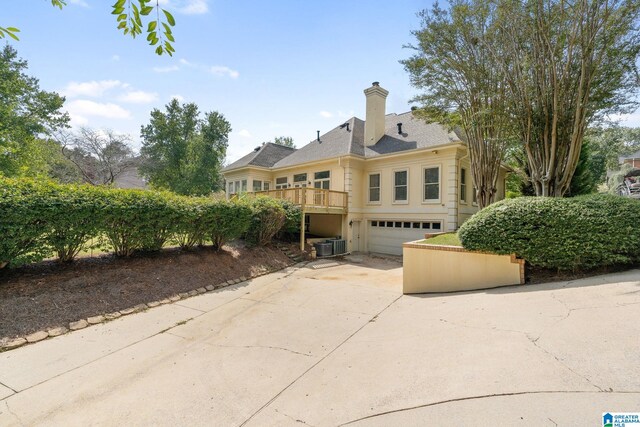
x: 71, y: 213
x: 189, y: 229
x: 267, y: 218
x: 225, y: 221
x: 22, y: 221
x: 292, y: 221
x: 564, y: 233
x: 135, y: 220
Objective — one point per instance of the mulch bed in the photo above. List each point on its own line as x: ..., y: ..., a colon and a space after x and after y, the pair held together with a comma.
x: 50, y: 294
x: 537, y: 275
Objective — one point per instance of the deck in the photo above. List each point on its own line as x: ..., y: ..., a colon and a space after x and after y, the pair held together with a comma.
x: 312, y: 200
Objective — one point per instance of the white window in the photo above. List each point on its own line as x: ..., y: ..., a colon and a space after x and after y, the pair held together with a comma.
x: 401, y: 186
x: 431, y: 184
x: 257, y: 185
x: 300, y: 180
x: 322, y: 180
x: 266, y: 185
x: 244, y: 186
x: 236, y: 186
x: 374, y: 188
x: 231, y: 188
x: 463, y: 185
x: 281, y: 183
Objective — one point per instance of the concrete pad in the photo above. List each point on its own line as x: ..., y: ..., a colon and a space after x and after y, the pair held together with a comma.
x: 542, y: 409
x: 163, y: 381
x: 5, y: 392
x: 33, y: 364
x: 249, y: 324
x: 212, y: 300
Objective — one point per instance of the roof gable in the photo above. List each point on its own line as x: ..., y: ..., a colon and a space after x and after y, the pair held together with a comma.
x: 264, y: 156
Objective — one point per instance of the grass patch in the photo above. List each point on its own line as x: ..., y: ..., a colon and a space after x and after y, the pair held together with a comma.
x: 448, y: 239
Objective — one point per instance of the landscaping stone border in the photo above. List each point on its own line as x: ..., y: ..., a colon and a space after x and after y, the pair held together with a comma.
x: 107, y: 317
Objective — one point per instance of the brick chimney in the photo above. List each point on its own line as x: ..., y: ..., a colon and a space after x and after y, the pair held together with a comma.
x: 374, y: 120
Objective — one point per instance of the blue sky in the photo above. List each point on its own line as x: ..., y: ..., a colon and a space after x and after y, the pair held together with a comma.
x: 273, y: 68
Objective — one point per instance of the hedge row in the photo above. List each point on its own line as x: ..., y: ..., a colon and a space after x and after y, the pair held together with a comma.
x: 563, y: 233
x: 38, y: 220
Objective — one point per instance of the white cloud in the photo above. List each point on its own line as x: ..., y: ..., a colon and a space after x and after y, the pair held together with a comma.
x: 93, y: 88
x: 80, y: 108
x: 221, y: 70
x: 139, y: 97
x: 631, y: 120
x: 187, y: 63
x: 186, y: 7
x: 168, y: 69
x: 326, y: 114
x: 244, y: 133
x: 77, y: 120
x: 115, y: 58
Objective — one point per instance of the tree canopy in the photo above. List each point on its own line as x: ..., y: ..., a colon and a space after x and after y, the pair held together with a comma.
x: 182, y: 151
x: 134, y: 17
x: 538, y: 72
x: 27, y: 115
x: 287, y: 141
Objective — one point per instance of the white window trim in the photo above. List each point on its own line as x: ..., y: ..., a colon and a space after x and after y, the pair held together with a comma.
x: 280, y: 186
x: 473, y: 195
x: 422, y: 184
x: 393, y: 189
x: 466, y: 186
x: 369, y: 202
x: 322, y: 179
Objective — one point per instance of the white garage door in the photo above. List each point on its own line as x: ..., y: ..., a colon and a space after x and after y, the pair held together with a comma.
x: 387, y: 236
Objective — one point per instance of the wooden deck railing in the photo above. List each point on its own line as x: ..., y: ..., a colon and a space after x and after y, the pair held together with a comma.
x: 309, y: 197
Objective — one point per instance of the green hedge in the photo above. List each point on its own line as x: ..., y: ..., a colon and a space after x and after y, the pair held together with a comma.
x: 38, y: 220
x: 563, y: 233
x: 267, y: 218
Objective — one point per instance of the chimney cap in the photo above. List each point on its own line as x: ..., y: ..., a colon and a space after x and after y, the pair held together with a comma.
x: 375, y: 84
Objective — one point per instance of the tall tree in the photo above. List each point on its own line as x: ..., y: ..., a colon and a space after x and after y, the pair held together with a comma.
x: 101, y: 156
x: 462, y: 85
x: 131, y: 17
x: 26, y: 114
x: 183, y: 152
x: 567, y: 63
x: 608, y: 144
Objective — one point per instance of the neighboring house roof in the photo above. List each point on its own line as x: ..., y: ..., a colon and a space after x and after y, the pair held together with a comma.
x: 631, y: 156
x: 339, y: 141
x: 130, y: 178
x: 264, y: 156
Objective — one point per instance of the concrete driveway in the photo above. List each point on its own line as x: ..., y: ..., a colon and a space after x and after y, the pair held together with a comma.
x: 340, y: 345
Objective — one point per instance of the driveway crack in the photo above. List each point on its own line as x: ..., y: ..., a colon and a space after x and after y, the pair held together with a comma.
x: 462, y: 399
x: 262, y: 346
x: 6, y: 404
x: 318, y: 362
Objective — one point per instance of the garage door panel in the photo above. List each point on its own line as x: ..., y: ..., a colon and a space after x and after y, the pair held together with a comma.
x: 389, y: 240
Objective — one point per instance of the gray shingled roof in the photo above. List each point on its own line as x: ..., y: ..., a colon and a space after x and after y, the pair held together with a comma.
x: 265, y: 156
x: 416, y: 134
x: 339, y: 141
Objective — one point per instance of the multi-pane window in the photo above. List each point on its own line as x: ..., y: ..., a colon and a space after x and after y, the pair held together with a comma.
x: 281, y: 183
x: 300, y: 180
x: 400, y: 186
x: 432, y: 184
x: 424, y: 225
x: 257, y: 185
x: 463, y: 185
x: 244, y: 186
x: 231, y: 188
x: 374, y: 187
x: 266, y: 185
x: 322, y: 180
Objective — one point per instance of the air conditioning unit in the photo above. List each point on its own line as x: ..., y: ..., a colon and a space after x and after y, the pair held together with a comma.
x: 323, y: 249
x: 339, y: 246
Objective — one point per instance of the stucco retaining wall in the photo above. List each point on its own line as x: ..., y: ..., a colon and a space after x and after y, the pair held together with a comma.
x: 439, y: 268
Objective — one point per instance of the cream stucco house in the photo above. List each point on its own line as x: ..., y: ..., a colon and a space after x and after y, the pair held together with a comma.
x: 376, y: 183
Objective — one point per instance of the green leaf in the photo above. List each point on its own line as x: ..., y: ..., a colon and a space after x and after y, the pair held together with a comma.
x: 152, y: 26
x: 146, y: 10
x: 170, y: 18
